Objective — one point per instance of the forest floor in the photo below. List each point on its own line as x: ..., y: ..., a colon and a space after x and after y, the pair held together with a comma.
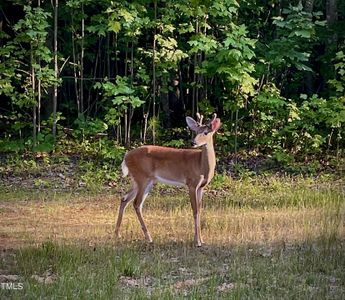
x: 266, y: 237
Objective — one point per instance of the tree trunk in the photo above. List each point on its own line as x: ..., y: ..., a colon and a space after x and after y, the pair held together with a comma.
x: 34, y: 109
x: 131, y: 109
x: 309, y: 84
x: 195, y: 93
x: 126, y: 126
x: 116, y: 58
x: 39, y: 93
x: 309, y: 6
x: 145, y: 127
x: 236, y: 134
x: 126, y: 110
x: 108, y: 55
x: 331, y: 11
x: 82, y: 61
x: 39, y: 99
x: 75, y: 63
x: 98, y: 57
x: 56, y: 71
x: 154, y: 76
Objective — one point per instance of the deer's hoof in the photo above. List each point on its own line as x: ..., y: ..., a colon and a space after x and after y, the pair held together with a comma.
x: 149, y: 239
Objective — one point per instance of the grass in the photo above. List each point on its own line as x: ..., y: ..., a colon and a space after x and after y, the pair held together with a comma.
x: 267, y: 238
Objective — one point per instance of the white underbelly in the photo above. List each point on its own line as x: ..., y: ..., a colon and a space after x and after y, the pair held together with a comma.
x: 170, y: 181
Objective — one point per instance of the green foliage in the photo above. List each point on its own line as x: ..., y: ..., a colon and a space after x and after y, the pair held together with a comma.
x: 129, y: 17
x: 339, y: 82
x: 45, y: 143
x: 175, y: 143
x: 273, y: 73
x: 283, y: 158
x: 121, y: 96
x: 220, y: 181
x: 26, y: 53
x: 271, y: 110
x: 306, y: 128
x: 8, y: 145
x: 295, y: 31
x: 316, y: 123
x: 104, y: 168
x: 155, y: 128
x: 88, y: 127
x: 233, y: 63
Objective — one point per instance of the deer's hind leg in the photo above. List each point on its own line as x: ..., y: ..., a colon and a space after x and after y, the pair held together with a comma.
x: 144, y: 188
x: 124, y: 202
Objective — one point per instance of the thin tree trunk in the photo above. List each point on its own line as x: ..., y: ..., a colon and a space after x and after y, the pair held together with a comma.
x: 130, y: 116
x: 126, y: 126
x: 131, y: 109
x: 145, y: 127
x: 236, y: 134
x: 331, y: 11
x: 39, y: 98
x: 126, y: 110
x: 56, y: 71
x: 195, y: 77
x: 82, y: 61
x: 154, y: 76
x: 309, y: 84
x: 34, y: 120
x: 126, y: 60
x: 309, y: 5
x: 120, y: 131
x: 34, y: 109
x: 116, y: 58
x: 94, y: 77
x: 181, y: 89
x: 39, y: 93
x: 75, y: 63
x: 108, y: 55
x: 202, y: 78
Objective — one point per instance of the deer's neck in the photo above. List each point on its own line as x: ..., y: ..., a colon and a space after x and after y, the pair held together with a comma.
x: 208, y: 161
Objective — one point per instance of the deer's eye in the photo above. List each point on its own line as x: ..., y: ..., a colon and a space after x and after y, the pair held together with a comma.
x: 205, y: 133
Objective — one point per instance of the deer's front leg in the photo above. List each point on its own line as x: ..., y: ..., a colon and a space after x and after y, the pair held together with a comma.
x: 199, y: 195
x: 195, y: 194
x: 196, y: 215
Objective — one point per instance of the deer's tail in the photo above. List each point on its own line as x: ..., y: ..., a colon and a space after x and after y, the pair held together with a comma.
x: 124, y: 167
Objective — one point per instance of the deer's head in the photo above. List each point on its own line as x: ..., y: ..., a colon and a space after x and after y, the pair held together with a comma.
x: 204, y: 132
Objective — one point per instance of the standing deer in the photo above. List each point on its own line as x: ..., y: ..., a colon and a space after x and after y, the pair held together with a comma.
x: 192, y: 167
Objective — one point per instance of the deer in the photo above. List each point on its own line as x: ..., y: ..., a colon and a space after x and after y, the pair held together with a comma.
x: 193, y: 168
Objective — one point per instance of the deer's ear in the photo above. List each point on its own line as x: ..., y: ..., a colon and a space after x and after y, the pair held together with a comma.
x: 215, y: 124
x: 192, y: 124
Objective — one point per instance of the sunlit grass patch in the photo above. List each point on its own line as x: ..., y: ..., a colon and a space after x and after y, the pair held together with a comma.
x: 280, y: 238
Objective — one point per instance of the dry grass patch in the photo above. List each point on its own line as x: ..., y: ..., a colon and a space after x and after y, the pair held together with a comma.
x: 92, y: 221
x: 281, y: 249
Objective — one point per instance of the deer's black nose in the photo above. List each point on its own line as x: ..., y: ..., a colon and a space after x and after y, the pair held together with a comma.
x: 193, y: 143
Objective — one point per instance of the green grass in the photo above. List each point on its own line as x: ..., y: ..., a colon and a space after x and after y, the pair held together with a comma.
x: 267, y: 238
x: 173, y: 271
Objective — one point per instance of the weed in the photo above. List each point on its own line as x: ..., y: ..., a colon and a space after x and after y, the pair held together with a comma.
x: 128, y: 264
